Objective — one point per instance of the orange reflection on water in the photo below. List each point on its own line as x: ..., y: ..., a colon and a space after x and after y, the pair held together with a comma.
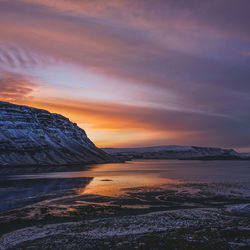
x: 115, y: 179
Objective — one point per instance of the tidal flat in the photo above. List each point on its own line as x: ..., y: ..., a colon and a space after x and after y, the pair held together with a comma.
x: 136, y: 205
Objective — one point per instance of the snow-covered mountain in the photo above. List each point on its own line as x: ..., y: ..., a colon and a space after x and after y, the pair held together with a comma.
x: 175, y: 152
x: 246, y: 154
x: 30, y: 136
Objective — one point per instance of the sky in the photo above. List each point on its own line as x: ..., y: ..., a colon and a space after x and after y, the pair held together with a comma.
x: 133, y: 72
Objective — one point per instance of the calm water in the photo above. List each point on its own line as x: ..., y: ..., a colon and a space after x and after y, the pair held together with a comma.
x: 113, y: 179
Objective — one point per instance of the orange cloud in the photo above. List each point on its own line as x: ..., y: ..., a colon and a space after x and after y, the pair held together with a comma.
x: 15, y: 87
x: 112, y: 124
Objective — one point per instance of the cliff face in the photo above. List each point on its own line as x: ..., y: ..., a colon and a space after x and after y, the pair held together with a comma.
x: 30, y: 136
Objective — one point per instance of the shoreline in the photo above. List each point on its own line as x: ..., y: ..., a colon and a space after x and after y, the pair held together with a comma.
x: 24, y: 169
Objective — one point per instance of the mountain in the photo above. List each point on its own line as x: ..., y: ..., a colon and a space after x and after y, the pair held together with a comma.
x: 176, y: 152
x: 32, y: 137
x: 246, y: 154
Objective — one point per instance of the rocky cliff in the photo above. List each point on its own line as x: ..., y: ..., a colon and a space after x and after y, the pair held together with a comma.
x: 31, y: 137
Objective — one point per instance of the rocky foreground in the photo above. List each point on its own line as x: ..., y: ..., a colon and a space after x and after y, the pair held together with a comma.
x: 36, y: 137
x: 185, y: 216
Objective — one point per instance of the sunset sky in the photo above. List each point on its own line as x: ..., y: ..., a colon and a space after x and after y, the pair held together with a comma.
x: 133, y: 72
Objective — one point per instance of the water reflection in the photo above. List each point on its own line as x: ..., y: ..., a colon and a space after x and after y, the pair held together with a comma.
x: 20, y: 192
x: 113, y: 179
x: 117, y: 185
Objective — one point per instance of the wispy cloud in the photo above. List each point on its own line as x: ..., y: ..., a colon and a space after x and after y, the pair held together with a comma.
x: 165, y: 124
x: 15, y: 87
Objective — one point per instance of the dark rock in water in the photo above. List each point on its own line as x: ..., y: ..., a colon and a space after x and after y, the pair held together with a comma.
x: 32, y: 137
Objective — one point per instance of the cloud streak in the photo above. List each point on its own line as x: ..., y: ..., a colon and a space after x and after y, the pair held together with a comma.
x: 174, y: 126
x: 15, y: 87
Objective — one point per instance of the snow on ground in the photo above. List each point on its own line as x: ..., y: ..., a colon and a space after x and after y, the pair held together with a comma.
x: 119, y: 226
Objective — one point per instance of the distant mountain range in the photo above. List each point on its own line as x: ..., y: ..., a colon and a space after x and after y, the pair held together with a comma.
x: 176, y: 152
x: 32, y: 137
